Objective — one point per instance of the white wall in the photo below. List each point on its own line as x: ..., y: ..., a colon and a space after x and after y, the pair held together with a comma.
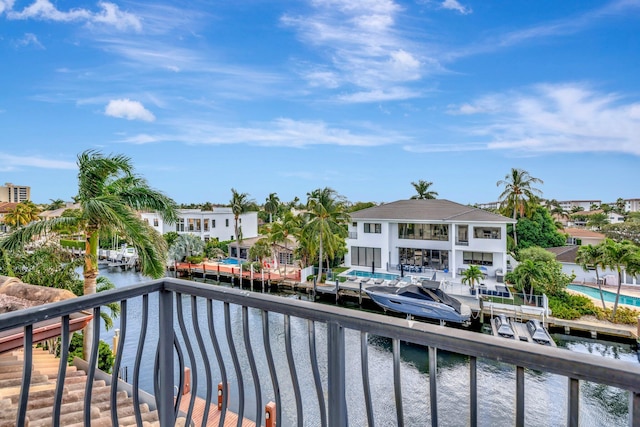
x: 248, y: 222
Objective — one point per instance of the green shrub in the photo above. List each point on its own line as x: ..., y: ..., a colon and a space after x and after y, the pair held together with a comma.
x: 105, y: 355
x: 195, y: 259
x: 624, y: 315
x: 568, y: 306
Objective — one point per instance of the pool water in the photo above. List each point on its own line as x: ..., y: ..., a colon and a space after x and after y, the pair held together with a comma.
x: 228, y: 261
x: 358, y: 273
x: 608, y: 296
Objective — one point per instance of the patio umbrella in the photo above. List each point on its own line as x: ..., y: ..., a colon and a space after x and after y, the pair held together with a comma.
x: 373, y: 267
x: 401, y: 270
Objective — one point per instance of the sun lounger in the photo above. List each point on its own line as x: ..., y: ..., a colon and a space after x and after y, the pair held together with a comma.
x: 378, y: 281
x: 393, y: 282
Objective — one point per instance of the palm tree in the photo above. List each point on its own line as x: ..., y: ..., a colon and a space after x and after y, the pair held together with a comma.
x: 528, y: 274
x: 272, y: 205
x: 619, y: 256
x: 109, y: 194
x: 260, y: 250
x: 422, y: 188
x: 281, y: 230
x: 326, y: 224
x: 598, y: 220
x: 56, y: 204
x: 240, y: 203
x: 472, y: 275
x: 592, y: 256
x: 24, y: 213
x: 518, y: 194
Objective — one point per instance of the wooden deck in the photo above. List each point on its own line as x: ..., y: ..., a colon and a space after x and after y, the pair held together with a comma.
x: 230, y: 419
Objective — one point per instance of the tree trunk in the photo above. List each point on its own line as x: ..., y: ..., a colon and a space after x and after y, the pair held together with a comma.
x: 320, y: 261
x: 90, y: 277
x: 286, y: 256
x: 237, y: 240
x: 600, y: 288
x: 515, y: 235
x: 615, y: 304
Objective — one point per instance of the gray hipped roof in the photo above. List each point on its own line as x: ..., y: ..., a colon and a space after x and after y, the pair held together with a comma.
x: 428, y: 210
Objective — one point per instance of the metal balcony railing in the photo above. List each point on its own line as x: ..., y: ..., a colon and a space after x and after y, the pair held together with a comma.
x: 264, y: 347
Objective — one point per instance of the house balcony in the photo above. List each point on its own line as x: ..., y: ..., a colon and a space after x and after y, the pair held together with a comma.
x: 254, y: 348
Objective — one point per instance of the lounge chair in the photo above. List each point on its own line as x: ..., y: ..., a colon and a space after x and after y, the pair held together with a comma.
x: 378, y: 281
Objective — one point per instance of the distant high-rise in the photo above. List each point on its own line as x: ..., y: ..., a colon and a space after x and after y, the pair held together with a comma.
x: 14, y: 193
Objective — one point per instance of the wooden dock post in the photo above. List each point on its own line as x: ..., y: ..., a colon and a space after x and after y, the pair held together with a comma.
x: 220, y: 396
x: 186, y: 388
x: 270, y: 415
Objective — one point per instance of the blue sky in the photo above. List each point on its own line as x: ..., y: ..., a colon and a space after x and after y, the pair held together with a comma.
x: 364, y: 96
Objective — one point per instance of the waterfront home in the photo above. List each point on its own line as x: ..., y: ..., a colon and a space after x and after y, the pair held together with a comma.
x: 428, y: 235
x: 214, y: 224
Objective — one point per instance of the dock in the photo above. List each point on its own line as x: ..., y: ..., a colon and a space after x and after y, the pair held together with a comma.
x: 215, y: 412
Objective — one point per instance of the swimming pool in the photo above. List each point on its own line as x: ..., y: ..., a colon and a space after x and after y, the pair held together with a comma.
x: 608, y: 296
x: 228, y: 261
x: 358, y: 273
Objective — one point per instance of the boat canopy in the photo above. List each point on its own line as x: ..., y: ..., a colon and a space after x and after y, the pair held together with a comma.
x: 424, y: 293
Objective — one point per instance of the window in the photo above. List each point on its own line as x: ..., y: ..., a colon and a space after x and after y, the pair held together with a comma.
x: 146, y: 220
x: 462, y: 235
x: 366, y: 256
x: 206, y: 224
x: 180, y: 225
x: 477, y: 258
x: 226, y: 222
x: 372, y: 228
x: 423, y: 231
x: 354, y: 224
x: 194, y: 224
x: 486, y: 232
x: 430, y: 258
x: 155, y: 222
x: 213, y: 223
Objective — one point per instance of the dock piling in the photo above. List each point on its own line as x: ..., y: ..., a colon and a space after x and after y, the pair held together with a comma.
x: 270, y: 415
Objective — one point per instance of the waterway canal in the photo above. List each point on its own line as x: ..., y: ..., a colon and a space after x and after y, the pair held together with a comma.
x: 545, y: 393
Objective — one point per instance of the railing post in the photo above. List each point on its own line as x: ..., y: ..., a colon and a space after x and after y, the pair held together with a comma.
x: 166, y: 412
x: 634, y: 409
x: 336, y: 375
x: 573, y: 408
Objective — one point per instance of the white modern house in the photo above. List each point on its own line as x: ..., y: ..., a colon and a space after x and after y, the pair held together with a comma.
x: 428, y: 235
x: 218, y: 223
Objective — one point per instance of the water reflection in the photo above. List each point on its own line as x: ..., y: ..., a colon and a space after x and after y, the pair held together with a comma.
x: 546, y: 394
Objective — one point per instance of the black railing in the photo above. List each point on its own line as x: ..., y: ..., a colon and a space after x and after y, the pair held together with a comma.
x: 263, y: 347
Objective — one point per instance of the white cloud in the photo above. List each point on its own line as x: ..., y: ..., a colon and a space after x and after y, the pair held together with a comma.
x: 455, y: 5
x: 561, y: 118
x: 561, y: 27
x: 127, y: 109
x: 282, y: 132
x: 364, y: 47
x: 388, y: 94
x: 11, y: 162
x: 29, y: 39
x: 110, y: 14
x: 6, y: 5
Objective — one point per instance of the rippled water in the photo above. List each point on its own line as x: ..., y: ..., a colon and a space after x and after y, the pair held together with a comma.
x: 546, y: 394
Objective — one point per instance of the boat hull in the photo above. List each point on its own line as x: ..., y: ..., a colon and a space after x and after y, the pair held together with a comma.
x: 420, y: 308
